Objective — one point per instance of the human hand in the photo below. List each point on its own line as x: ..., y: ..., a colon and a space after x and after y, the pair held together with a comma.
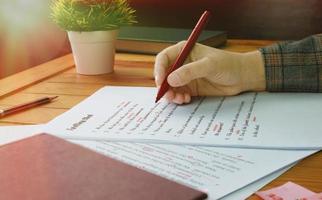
x: 209, y: 72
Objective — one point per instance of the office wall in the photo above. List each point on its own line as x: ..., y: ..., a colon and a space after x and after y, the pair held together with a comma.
x: 27, y: 35
x: 255, y: 19
x: 33, y: 44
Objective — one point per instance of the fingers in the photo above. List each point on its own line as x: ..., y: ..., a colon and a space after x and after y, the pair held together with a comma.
x: 178, y: 97
x: 189, y: 72
x: 181, y: 98
x: 169, y: 95
x: 164, y: 59
x: 161, y: 64
x: 187, y: 98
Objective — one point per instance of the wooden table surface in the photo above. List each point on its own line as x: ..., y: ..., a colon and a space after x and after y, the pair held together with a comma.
x: 58, y: 77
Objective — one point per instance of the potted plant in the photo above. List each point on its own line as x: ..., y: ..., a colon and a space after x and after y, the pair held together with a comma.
x: 92, y: 27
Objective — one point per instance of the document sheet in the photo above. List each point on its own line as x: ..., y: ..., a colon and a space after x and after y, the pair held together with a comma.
x: 10, y: 134
x: 217, y: 171
x: 248, y: 190
x: 255, y: 120
x: 222, y: 172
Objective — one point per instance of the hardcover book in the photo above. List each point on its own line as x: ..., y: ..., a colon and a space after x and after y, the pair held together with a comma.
x: 44, y: 167
x: 152, y: 40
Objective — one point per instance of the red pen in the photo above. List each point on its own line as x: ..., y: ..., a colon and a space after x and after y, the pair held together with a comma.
x: 184, y: 52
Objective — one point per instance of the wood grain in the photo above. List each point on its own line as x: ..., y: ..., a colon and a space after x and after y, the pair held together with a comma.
x: 28, y: 77
x: 63, y: 101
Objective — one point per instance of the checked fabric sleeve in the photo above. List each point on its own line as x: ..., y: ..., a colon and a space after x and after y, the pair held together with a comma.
x: 294, y: 66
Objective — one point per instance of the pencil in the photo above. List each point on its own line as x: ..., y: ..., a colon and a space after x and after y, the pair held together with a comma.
x: 24, y: 106
x: 184, y: 52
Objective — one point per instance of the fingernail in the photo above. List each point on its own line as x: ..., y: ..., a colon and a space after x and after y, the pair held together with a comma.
x: 174, y: 79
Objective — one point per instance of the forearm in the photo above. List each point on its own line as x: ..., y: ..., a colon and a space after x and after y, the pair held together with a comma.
x: 294, y: 66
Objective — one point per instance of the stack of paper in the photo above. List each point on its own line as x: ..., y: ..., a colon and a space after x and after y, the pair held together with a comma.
x: 13, y: 133
x: 252, y: 120
x: 199, y: 144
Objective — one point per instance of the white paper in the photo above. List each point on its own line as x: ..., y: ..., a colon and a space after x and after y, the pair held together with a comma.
x: 10, y: 134
x: 248, y: 190
x: 218, y: 171
x: 255, y: 120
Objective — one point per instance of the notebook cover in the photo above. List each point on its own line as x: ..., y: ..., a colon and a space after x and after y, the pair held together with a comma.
x: 152, y: 40
x: 44, y: 167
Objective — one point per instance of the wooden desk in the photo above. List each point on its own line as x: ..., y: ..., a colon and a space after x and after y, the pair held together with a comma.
x: 58, y: 77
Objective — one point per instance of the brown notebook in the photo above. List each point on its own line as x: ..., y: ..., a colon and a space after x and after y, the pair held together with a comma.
x: 44, y: 167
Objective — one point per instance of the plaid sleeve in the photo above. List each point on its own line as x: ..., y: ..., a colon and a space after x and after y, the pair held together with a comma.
x: 294, y: 66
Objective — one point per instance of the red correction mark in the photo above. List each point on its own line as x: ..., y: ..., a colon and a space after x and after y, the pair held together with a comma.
x: 148, y: 149
x: 254, y: 119
x: 215, y: 128
x: 274, y: 197
x: 139, y: 120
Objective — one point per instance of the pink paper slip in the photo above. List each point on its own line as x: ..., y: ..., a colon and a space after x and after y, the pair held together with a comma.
x: 288, y: 191
x: 314, y: 197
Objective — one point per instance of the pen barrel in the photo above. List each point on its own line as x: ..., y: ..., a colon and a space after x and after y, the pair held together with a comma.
x: 191, y: 41
x: 24, y: 106
x: 163, y: 89
x: 184, y: 52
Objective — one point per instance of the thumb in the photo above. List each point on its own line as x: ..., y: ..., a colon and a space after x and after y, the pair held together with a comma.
x: 188, y: 72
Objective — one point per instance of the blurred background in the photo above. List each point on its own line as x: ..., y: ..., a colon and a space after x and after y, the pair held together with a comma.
x: 28, y: 37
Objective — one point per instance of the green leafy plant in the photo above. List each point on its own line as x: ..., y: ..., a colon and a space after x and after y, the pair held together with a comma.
x: 92, y: 15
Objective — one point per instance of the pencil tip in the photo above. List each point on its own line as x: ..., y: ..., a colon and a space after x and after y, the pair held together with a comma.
x: 54, y: 97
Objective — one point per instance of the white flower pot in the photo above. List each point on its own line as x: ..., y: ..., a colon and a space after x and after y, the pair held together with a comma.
x: 93, y: 52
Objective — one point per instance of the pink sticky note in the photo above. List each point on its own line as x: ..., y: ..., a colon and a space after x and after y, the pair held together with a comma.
x: 314, y: 197
x: 288, y: 191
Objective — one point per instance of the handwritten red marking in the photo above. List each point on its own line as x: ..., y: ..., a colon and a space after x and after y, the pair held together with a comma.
x: 215, y: 128
x: 254, y: 119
